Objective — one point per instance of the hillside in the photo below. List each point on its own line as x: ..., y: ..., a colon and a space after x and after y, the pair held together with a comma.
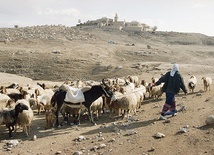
x: 59, y: 53
x: 53, y: 54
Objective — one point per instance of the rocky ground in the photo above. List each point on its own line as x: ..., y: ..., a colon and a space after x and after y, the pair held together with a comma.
x: 53, y: 54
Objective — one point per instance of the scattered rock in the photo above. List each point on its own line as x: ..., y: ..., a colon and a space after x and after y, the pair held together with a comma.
x: 80, y: 138
x: 58, y: 152
x: 102, y: 146
x: 152, y: 149
x: 199, y: 94
x: 13, y: 143
x: 130, y: 132
x: 182, y: 130
x: 167, y: 121
x: 78, y: 153
x: 119, y: 67
x: 56, y: 52
x: 209, y: 120
x: 148, y: 46
x: 112, y: 140
x: 159, y: 135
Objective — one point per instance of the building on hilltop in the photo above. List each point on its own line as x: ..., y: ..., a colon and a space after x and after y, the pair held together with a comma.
x: 108, y: 23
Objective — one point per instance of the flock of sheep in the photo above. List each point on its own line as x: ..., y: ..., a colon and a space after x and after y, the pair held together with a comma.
x: 18, y: 103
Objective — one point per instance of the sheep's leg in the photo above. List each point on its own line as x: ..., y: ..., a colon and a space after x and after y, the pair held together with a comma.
x: 28, y: 130
x: 10, y: 130
x: 25, y: 129
x: 77, y: 121
x: 91, y: 117
x: 56, y: 114
x: 123, y: 114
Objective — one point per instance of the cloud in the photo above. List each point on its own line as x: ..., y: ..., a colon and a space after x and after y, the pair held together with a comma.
x: 55, y: 12
x: 199, y: 6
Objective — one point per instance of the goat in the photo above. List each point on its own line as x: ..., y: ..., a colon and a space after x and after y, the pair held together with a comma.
x: 91, y: 95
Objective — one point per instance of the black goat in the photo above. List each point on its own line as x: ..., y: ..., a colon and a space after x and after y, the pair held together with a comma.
x: 90, y: 96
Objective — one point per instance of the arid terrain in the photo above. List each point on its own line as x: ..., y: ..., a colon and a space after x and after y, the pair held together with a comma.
x: 53, y: 54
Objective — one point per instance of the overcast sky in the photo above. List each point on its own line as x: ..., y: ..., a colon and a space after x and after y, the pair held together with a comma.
x: 168, y: 15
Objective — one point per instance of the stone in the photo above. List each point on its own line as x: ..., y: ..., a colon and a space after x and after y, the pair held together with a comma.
x: 209, y: 120
x: 159, y: 135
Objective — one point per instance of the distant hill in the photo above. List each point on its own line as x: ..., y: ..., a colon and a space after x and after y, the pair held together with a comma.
x: 74, y: 33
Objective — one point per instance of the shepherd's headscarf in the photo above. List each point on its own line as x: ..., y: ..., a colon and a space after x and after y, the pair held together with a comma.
x: 175, y: 68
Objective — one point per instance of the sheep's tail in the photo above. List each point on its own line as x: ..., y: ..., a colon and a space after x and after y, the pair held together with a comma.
x: 191, y: 85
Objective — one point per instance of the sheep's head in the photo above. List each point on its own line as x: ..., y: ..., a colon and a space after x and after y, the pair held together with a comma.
x: 20, y: 107
x: 106, y: 89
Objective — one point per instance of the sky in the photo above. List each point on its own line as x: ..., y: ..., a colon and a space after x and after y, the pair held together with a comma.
x: 187, y: 16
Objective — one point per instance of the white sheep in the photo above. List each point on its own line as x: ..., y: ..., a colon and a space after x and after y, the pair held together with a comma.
x: 207, y: 82
x: 147, y: 86
x: 120, y: 81
x: 133, y: 79
x: 97, y: 106
x: 128, y: 87
x: 192, y: 82
x: 4, y: 100
x: 26, y: 117
x: 127, y: 102
x: 44, y: 100
x: 156, y: 91
x: 140, y: 93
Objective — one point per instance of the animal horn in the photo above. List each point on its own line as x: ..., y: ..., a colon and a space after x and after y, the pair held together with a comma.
x: 103, y: 81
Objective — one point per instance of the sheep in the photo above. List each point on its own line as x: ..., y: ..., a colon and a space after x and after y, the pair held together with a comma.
x: 156, y: 91
x: 43, y: 101
x: 4, y: 100
x: 16, y: 96
x: 140, y: 94
x: 97, y: 106
x: 80, y: 84
x: 192, y: 82
x: 147, y: 86
x: 112, y: 105
x: 25, y: 118
x: 13, y: 85
x: 50, y: 118
x: 127, y: 102
x: 127, y: 88
x: 9, y: 117
x: 67, y: 111
x: 10, y: 104
x: 154, y: 80
x: 6, y: 90
x: 133, y: 79
x: 111, y: 81
x: 41, y: 85
x: 120, y: 81
x: 207, y: 82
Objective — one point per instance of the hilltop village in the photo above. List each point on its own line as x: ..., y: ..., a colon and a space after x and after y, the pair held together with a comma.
x: 108, y: 23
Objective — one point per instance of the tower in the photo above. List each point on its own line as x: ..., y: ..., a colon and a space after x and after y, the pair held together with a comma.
x: 116, y: 18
